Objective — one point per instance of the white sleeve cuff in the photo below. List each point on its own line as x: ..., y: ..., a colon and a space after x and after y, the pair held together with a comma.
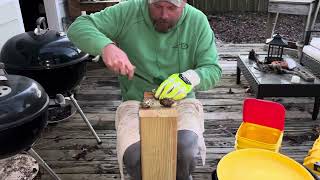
x: 192, y: 76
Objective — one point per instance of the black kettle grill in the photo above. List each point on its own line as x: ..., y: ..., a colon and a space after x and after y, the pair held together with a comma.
x: 49, y: 58
x: 23, y: 115
x: 46, y: 56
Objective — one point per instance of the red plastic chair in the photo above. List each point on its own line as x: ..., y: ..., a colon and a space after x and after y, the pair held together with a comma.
x: 265, y: 113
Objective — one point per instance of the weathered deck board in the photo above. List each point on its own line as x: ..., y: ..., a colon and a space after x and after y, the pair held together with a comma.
x: 99, y: 97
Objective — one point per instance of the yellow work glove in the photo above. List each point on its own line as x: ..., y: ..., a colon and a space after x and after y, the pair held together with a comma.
x: 177, y: 86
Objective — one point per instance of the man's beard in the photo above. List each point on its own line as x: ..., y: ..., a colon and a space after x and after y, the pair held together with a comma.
x: 163, y: 26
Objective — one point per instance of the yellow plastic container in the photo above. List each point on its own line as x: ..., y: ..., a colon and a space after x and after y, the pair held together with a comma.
x: 312, y: 161
x: 249, y: 143
x: 251, y: 135
x: 311, y: 158
x: 316, y: 144
x: 274, y: 149
x: 314, y: 152
x: 260, y: 164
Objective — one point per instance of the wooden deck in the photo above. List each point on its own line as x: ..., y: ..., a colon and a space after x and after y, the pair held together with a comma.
x: 70, y: 149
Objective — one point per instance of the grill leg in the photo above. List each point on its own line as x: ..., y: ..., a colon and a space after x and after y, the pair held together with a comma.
x: 316, y: 108
x: 238, y: 75
x: 43, y: 163
x: 74, y: 101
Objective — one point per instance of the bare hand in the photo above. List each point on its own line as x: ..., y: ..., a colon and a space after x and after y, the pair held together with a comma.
x: 117, y: 61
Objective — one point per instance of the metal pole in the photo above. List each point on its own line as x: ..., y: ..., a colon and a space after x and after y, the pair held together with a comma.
x: 308, y: 26
x: 315, y: 14
x: 43, y: 163
x: 74, y: 101
x: 274, y: 25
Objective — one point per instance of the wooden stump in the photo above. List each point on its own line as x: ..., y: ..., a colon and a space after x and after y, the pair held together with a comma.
x: 158, y: 131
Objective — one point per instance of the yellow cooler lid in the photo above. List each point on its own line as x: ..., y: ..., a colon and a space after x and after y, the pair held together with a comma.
x: 253, y: 164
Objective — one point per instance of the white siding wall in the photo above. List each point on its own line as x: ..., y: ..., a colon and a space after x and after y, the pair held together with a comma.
x: 11, y: 22
x: 55, y: 11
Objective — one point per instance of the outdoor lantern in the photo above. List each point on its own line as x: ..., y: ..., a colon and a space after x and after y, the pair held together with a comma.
x: 275, y: 51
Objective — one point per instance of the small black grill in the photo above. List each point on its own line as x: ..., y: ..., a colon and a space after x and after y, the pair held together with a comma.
x: 48, y: 57
x: 23, y: 115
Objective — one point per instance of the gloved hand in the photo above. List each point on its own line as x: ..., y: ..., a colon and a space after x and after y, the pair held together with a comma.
x: 177, y: 86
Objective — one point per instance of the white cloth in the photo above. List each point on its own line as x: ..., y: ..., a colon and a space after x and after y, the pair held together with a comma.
x: 192, y: 76
x: 312, y: 52
x: 315, y: 42
x: 190, y: 117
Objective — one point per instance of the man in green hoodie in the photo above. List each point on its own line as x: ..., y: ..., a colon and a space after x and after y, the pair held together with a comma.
x: 166, y: 45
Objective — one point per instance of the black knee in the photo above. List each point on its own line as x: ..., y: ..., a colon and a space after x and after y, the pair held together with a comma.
x: 187, y: 153
x: 132, y: 161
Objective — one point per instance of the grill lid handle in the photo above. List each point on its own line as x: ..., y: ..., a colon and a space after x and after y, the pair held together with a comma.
x: 41, y: 21
x: 4, y: 85
x: 2, y: 72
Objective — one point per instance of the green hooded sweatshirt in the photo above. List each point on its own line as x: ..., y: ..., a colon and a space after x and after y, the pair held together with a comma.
x: 188, y: 45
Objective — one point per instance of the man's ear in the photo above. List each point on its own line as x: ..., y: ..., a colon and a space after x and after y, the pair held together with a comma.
x: 185, y: 1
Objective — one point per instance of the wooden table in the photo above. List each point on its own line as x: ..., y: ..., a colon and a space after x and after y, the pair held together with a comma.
x: 277, y: 85
x: 77, y: 6
x: 296, y: 7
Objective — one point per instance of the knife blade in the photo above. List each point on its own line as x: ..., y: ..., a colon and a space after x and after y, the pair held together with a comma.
x: 154, y: 80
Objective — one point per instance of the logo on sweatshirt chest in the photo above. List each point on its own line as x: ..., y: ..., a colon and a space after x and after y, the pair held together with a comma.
x: 181, y: 46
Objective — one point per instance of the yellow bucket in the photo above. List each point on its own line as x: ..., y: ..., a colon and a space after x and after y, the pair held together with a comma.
x: 248, y: 143
x: 260, y: 164
x: 314, y: 152
x: 251, y: 135
x: 313, y: 163
x: 311, y: 159
x: 238, y: 147
x: 316, y: 144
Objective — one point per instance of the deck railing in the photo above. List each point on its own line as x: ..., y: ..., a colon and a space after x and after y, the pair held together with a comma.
x: 216, y: 6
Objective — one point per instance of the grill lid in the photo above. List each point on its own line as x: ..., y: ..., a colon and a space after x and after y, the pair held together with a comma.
x: 40, y: 49
x: 21, y: 100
